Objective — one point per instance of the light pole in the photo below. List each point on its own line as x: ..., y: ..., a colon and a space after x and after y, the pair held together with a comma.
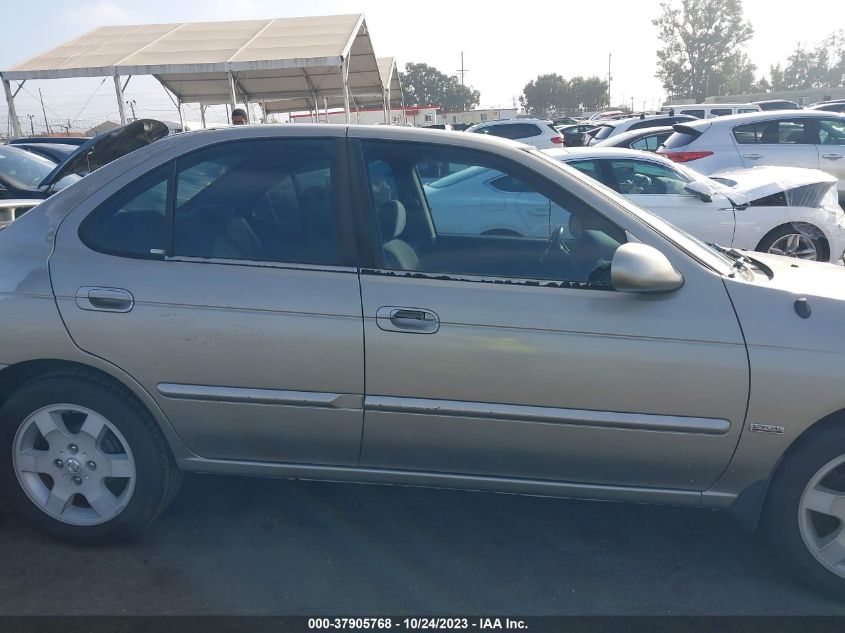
x: 31, y: 126
x: 131, y: 104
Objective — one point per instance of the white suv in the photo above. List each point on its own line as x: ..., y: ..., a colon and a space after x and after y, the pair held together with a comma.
x: 612, y: 128
x: 794, y: 138
x: 537, y: 132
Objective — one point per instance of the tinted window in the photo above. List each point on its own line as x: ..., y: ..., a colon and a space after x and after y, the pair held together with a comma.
x: 650, y: 143
x: 603, y: 132
x: 696, y: 113
x: 721, y: 111
x: 682, y: 137
x: 264, y: 200
x: 782, y: 132
x: 493, y: 219
x: 131, y: 223
x: 512, y: 131
x: 747, y: 110
x: 637, y: 177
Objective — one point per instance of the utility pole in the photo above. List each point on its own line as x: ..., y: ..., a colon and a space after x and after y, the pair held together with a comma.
x: 609, y: 77
x: 462, y: 70
x: 31, y: 126
x: 44, y: 111
x: 131, y: 103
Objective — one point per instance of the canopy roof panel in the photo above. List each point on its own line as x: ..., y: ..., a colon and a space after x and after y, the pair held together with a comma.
x: 270, y: 59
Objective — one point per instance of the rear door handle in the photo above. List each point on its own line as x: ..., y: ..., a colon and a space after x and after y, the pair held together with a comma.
x: 408, y: 320
x: 104, y: 299
x: 832, y: 156
x: 752, y: 156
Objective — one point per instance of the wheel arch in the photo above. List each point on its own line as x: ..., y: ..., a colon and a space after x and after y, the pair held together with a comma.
x: 14, y: 376
x: 788, y: 226
x: 749, y: 504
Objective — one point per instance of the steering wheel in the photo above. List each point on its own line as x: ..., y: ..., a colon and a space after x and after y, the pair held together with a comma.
x: 555, y: 246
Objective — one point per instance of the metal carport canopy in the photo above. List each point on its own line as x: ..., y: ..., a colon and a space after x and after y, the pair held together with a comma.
x: 215, y: 62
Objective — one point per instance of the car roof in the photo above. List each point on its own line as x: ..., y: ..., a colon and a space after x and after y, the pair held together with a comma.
x: 632, y: 134
x: 601, y: 153
x: 751, y: 117
x: 512, y: 121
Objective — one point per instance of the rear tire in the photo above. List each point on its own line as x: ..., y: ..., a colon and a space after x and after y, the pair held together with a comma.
x: 86, y: 462
x: 804, y: 515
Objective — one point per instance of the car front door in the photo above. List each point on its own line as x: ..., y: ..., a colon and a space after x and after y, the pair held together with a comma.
x: 660, y: 189
x: 512, y: 357
x: 788, y: 141
x: 831, y: 149
x: 222, y: 282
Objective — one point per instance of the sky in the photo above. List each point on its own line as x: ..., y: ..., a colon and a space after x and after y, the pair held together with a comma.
x: 504, y: 46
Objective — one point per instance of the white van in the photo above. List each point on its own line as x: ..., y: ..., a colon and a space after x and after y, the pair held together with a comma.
x: 710, y: 110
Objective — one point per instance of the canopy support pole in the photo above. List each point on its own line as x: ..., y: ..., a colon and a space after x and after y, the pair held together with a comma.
x: 121, y: 106
x: 181, y: 120
x: 263, y: 112
x: 202, y: 115
x: 386, y: 103
x: 232, y: 90
x: 13, y: 115
x: 313, y: 91
x: 20, y: 87
x: 344, y: 77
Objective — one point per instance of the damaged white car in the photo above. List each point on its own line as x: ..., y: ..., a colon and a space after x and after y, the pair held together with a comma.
x: 782, y: 210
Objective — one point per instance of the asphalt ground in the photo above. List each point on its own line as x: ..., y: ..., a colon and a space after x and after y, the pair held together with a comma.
x: 242, y: 546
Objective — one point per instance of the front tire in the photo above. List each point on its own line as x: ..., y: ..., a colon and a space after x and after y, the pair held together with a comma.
x: 799, y: 239
x: 86, y: 462
x: 804, y: 516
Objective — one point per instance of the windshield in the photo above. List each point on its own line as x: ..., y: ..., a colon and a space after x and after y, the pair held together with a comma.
x: 705, y: 253
x: 24, y: 170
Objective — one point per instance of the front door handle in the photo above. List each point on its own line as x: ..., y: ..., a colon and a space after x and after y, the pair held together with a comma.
x: 104, y: 299
x: 832, y: 156
x: 752, y: 156
x: 408, y: 320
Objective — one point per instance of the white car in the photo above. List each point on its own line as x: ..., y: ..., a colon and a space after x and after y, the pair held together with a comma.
x: 537, y: 132
x: 608, y: 129
x: 794, y: 138
x: 785, y: 211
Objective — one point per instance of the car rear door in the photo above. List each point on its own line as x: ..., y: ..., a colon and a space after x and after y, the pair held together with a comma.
x: 225, y: 283
x: 510, y: 357
x: 786, y: 141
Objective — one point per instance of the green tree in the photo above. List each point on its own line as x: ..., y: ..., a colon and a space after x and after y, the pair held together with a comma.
x: 551, y: 95
x: 702, y: 47
x: 809, y: 68
x: 425, y: 85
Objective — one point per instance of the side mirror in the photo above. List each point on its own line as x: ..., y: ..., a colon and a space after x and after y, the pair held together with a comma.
x: 701, y: 189
x: 642, y: 268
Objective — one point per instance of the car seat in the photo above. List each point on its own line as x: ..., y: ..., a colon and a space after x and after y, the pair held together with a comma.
x: 398, y: 254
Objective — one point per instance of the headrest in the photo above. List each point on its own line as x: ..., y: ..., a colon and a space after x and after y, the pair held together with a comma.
x: 391, y: 220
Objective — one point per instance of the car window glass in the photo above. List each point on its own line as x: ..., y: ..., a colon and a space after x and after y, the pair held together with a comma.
x: 649, y: 143
x: 778, y: 132
x: 603, y: 132
x: 262, y: 200
x: 492, y: 219
x: 636, y: 177
x: 696, y: 113
x: 832, y: 132
x: 747, y: 110
x: 131, y: 223
x: 721, y: 111
x: 588, y: 167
